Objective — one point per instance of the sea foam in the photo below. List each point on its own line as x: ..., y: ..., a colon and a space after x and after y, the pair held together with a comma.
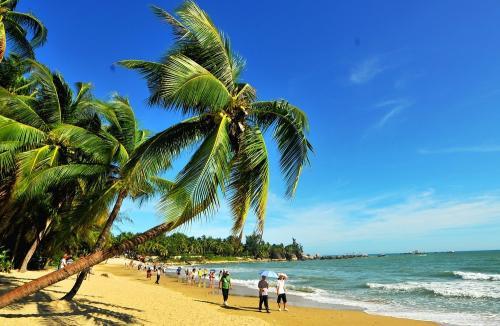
x: 470, y: 289
x: 477, y: 276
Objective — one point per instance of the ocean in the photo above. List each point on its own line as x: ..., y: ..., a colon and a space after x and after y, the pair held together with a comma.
x: 461, y: 288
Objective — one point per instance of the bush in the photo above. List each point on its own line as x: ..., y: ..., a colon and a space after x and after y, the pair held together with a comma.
x: 5, y: 263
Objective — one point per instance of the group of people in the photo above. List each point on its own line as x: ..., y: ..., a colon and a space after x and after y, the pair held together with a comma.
x: 158, y: 269
x: 66, y: 260
x: 263, y: 287
x: 193, y: 276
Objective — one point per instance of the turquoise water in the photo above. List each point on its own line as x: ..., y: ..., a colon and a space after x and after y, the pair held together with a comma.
x: 461, y: 288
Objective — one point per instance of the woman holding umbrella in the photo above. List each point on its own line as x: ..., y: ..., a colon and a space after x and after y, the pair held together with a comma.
x: 264, y: 289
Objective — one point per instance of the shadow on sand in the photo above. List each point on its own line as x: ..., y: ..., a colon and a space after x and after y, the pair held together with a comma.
x: 55, y: 312
x: 254, y: 309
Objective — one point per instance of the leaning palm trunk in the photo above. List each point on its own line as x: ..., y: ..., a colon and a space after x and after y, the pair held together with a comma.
x: 101, y: 240
x: 82, y: 264
x: 34, y: 246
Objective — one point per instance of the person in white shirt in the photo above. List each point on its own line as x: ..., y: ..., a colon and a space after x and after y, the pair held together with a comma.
x: 63, y: 262
x: 281, y: 292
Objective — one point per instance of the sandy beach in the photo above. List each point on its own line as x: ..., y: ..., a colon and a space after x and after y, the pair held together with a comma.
x: 116, y: 295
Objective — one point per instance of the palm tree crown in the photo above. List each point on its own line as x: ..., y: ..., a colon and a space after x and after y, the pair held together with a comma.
x: 200, y: 76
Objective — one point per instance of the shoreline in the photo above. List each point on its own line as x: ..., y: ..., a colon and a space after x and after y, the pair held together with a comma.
x: 117, y: 295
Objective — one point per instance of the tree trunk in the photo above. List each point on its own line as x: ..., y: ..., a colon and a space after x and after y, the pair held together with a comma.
x: 16, y: 245
x: 3, y: 40
x: 99, y: 244
x: 82, y: 264
x: 31, y: 251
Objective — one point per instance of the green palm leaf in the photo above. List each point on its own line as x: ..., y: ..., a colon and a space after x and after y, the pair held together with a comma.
x: 20, y: 108
x: 290, y: 128
x: 32, y: 24
x: 249, y: 181
x: 202, y: 177
x: 157, y: 153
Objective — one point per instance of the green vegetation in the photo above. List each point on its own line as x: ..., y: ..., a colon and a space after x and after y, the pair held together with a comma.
x: 5, y: 264
x: 15, y: 26
x: 179, y: 247
x: 68, y: 160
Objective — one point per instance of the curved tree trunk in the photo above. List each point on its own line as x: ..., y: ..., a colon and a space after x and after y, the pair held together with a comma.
x: 82, y: 264
x: 36, y: 242
x: 101, y: 240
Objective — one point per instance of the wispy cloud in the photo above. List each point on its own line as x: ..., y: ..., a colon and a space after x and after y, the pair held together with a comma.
x: 393, y: 107
x: 464, y: 149
x: 366, y: 71
x: 372, y: 223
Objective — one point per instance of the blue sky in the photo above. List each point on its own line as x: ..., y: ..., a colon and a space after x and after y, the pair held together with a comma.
x: 403, y: 100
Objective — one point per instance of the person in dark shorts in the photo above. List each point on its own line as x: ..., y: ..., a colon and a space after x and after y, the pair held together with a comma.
x: 281, y: 292
x: 263, y: 294
x: 158, y: 274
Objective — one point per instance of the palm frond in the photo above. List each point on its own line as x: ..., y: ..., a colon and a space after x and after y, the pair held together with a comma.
x: 32, y: 24
x: 11, y: 130
x: 179, y: 30
x: 20, y: 108
x: 249, y: 181
x: 127, y: 123
x: 17, y: 39
x: 214, y: 51
x: 157, y: 153
x: 290, y: 129
x: 203, y: 176
x: 50, y: 105
x: 152, y: 72
x: 188, y: 85
x: 95, y: 147
x: 60, y: 176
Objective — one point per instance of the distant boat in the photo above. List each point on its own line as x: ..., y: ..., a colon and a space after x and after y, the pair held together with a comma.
x: 416, y: 252
x: 451, y: 251
x: 381, y: 255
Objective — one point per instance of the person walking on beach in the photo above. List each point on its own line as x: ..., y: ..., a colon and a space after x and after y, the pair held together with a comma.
x: 193, y: 275
x: 263, y: 294
x: 211, y: 280
x: 148, y: 272
x: 179, y: 277
x: 225, y: 285
x: 200, y: 274
x: 158, y: 274
x: 281, y: 292
x: 63, y: 261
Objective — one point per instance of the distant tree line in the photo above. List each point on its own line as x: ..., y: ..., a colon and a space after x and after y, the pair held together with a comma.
x: 178, y: 244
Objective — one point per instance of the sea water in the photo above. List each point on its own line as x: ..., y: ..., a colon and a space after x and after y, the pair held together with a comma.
x: 461, y: 288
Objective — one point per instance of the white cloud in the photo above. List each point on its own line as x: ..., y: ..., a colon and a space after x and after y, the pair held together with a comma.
x: 374, y: 223
x: 393, y: 108
x: 465, y: 149
x: 366, y: 71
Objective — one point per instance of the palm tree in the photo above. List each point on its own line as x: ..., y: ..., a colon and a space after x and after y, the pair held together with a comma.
x: 200, y: 76
x: 15, y: 26
x: 123, y: 127
x: 51, y: 134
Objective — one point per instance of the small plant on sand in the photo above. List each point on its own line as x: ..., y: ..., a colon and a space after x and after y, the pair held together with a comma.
x: 5, y: 263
